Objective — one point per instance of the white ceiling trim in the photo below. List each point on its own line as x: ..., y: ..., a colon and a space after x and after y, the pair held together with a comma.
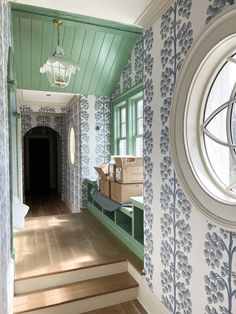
x: 121, y: 11
x: 152, y: 12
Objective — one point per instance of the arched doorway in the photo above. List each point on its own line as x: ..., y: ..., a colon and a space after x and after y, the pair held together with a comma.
x: 42, y: 161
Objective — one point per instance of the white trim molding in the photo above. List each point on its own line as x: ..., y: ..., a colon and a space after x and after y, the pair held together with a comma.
x: 152, y: 12
x: 151, y: 303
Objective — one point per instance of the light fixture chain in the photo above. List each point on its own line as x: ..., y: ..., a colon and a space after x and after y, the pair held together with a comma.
x: 58, y: 34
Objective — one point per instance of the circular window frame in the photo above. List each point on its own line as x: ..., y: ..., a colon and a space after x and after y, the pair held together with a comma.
x: 197, y: 74
x: 71, y: 160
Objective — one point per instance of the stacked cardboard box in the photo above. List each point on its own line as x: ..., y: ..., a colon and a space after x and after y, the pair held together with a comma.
x: 128, y: 179
x: 129, y: 169
x: 104, y: 183
x: 122, y: 178
x: 112, y: 171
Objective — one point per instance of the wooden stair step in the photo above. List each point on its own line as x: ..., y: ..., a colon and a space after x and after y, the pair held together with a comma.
x: 49, y: 280
x: 130, y: 307
x: 47, y: 298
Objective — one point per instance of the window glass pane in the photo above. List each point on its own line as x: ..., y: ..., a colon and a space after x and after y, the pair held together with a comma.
x: 222, y: 127
x: 219, y: 95
x: 139, y: 146
x: 123, y: 130
x: 122, y: 147
x: 123, y: 115
x: 140, y: 126
x: 72, y: 145
x: 140, y: 108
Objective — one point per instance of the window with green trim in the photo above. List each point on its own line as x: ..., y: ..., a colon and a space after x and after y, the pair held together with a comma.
x: 139, y: 128
x: 128, y: 123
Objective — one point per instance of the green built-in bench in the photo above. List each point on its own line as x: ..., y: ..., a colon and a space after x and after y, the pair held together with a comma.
x: 126, y: 222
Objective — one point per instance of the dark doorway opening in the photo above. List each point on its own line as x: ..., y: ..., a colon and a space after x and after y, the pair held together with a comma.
x: 39, y: 164
x: 42, y: 161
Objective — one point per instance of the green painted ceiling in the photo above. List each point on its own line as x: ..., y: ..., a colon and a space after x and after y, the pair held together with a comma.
x: 100, y: 47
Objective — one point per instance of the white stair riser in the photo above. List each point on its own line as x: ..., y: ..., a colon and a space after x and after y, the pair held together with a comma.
x: 49, y: 281
x: 90, y: 304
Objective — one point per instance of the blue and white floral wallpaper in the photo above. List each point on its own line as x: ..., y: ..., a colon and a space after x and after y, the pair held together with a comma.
x: 132, y: 74
x: 85, y: 147
x: 189, y: 261
x: 176, y: 37
x: 95, y: 137
x: 103, y: 129
x: 220, y: 282
x: 148, y: 156
x: 30, y: 120
x: 215, y: 7
x: 6, y: 262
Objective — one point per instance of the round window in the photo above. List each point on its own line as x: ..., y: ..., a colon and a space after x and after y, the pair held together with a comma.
x: 203, y: 122
x: 71, y: 144
x: 219, y: 128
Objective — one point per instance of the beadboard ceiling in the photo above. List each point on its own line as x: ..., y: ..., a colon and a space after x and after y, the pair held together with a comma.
x: 100, y: 47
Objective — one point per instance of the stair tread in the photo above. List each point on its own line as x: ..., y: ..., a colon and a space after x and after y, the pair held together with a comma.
x: 72, y: 292
x: 70, y: 269
x: 130, y: 307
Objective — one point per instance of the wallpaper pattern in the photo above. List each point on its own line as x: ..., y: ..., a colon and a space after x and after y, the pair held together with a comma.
x: 220, y: 283
x: 84, y: 149
x: 71, y: 174
x: 216, y: 7
x: 6, y: 275
x: 95, y: 137
x: 30, y: 120
x: 176, y: 37
x: 103, y: 129
x: 147, y: 154
x: 133, y: 72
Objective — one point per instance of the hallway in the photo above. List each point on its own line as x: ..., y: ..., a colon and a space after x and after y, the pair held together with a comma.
x: 70, y: 246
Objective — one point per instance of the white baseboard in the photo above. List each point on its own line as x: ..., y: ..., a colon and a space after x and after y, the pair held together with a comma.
x: 151, y: 303
x: 71, y: 206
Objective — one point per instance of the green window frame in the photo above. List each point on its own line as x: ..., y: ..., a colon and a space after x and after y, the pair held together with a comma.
x: 127, y: 121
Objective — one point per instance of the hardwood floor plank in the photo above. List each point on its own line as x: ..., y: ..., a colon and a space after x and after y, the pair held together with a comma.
x: 139, y: 307
x: 46, y: 204
x: 56, y: 243
x: 123, y: 308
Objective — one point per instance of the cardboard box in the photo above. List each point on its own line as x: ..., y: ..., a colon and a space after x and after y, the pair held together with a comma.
x: 104, y: 183
x: 102, y: 171
x: 129, y: 169
x: 122, y: 192
x: 104, y: 187
x: 112, y: 172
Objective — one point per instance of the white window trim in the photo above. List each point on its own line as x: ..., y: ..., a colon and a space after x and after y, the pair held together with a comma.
x: 217, y: 42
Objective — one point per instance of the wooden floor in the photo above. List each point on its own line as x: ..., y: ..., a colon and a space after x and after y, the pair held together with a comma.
x: 56, y: 243
x: 45, y: 204
x: 132, y: 307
